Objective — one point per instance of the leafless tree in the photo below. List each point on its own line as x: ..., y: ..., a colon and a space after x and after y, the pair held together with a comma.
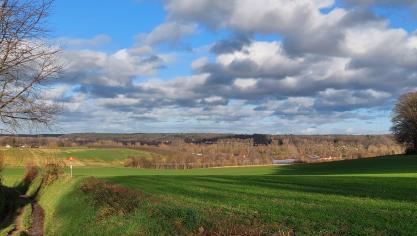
x: 27, y: 61
x: 405, y: 121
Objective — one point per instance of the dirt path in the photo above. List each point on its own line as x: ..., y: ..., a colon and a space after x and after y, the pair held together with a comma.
x: 38, y: 217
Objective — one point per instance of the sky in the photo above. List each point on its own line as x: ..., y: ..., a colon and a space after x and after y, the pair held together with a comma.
x: 232, y: 66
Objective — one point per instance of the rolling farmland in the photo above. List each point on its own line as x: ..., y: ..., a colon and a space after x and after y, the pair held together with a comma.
x: 356, y: 197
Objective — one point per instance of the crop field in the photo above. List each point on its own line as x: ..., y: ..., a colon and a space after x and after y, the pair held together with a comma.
x: 84, y: 156
x: 358, y: 197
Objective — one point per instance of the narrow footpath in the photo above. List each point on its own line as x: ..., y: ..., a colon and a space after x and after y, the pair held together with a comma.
x: 38, y: 217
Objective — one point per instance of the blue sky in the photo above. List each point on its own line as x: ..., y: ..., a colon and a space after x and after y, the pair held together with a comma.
x: 274, y: 66
x: 121, y: 21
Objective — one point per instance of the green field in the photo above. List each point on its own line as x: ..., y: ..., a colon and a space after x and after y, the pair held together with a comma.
x: 12, y: 176
x: 84, y: 156
x: 374, y: 196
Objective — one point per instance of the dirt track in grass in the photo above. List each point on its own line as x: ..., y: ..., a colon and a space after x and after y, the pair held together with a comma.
x: 38, y: 217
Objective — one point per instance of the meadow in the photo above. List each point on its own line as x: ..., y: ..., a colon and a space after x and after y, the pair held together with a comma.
x: 374, y: 196
x: 84, y: 156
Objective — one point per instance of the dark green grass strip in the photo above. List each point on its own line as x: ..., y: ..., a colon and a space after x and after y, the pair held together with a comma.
x: 309, y: 205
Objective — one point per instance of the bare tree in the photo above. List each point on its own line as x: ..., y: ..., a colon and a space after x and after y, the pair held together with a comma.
x: 27, y: 61
x: 405, y: 121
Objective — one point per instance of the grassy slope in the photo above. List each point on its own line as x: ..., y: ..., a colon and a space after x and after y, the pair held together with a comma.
x: 393, y: 165
x: 55, y: 198
x: 363, y: 197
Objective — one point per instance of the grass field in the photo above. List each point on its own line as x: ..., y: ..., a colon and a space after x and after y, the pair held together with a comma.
x: 84, y: 156
x: 360, y: 197
x: 11, y: 176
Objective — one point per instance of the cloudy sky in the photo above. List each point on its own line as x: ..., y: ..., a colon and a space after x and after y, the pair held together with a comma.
x: 239, y: 66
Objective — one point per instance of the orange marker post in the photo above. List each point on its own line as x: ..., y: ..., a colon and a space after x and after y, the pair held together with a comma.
x: 71, y: 159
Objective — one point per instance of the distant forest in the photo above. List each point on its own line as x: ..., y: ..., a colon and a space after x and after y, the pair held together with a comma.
x: 181, y: 151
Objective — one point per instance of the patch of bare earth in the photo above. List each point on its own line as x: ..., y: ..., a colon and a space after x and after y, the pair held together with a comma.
x: 38, y: 217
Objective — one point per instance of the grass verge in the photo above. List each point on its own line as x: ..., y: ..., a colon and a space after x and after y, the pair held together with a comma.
x: 26, y: 218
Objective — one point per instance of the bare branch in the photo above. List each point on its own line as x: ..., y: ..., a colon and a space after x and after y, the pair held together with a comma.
x: 26, y: 63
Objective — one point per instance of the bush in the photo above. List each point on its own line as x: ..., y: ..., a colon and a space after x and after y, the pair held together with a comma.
x: 110, y: 198
x: 138, y: 162
x: 52, y: 172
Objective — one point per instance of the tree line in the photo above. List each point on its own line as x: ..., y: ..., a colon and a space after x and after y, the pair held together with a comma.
x: 240, y: 152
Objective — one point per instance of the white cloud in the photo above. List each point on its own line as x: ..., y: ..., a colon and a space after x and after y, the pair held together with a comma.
x: 324, y: 67
x: 171, y: 33
x: 112, y: 69
x: 55, y: 92
x: 244, y: 83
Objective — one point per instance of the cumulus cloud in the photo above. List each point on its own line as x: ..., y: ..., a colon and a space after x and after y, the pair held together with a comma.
x: 171, y: 33
x: 319, y: 67
x: 230, y: 45
x: 112, y: 70
x: 302, y: 24
x: 266, y: 16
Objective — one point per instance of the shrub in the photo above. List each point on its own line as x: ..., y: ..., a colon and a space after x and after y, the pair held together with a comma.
x: 110, y: 198
x: 138, y: 162
x: 52, y: 172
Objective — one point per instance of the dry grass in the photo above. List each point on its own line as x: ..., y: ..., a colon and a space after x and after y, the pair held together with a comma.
x: 52, y: 172
x: 28, y: 156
